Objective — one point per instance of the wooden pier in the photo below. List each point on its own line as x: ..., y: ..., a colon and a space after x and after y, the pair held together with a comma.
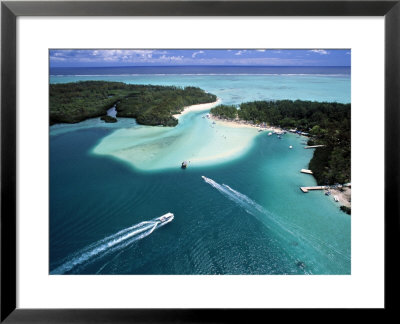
x: 306, y: 189
x: 306, y: 171
x: 313, y: 146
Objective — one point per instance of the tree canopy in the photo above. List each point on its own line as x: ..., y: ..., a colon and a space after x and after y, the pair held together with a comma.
x: 149, y: 104
x: 224, y: 111
x: 328, y: 123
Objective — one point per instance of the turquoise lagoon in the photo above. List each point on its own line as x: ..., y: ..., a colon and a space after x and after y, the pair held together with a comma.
x: 248, y: 217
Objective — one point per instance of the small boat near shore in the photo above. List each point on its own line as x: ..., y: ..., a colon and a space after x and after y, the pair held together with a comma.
x: 184, y: 165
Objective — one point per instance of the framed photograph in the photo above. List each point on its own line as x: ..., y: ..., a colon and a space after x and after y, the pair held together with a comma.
x: 180, y: 160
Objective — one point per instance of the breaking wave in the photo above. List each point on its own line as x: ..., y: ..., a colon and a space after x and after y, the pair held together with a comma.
x: 284, y: 229
x: 108, y: 245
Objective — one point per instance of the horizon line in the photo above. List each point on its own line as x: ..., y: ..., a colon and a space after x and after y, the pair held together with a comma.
x: 197, y: 65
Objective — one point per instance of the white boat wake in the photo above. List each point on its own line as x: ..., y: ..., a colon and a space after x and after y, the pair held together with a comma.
x: 112, y: 243
x: 278, y: 226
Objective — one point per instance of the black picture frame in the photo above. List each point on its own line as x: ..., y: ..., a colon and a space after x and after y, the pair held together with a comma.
x: 10, y: 10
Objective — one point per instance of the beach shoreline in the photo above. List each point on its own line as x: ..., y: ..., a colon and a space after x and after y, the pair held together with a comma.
x: 239, y: 123
x: 199, y: 107
x: 343, y: 196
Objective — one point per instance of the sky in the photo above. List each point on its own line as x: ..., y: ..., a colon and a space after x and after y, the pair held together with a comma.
x: 165, y: 57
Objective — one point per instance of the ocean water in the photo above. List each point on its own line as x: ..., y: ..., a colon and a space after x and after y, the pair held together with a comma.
x: 247, y: 216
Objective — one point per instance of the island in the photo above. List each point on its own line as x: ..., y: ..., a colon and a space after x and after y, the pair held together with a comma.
x: 148, y: 104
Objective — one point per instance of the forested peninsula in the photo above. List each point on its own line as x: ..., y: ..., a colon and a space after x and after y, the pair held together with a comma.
x: 149, y: 104
x: 326, y: 123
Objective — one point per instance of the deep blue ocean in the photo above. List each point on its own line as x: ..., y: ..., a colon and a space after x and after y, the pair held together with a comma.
x: 132, y: 70
x: 249, y: 217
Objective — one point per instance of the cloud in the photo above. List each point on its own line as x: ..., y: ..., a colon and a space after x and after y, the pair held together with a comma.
x: 319, y: 51
x: 171, y: 58
x: 240, y: 52
x: 145, y: 57
x: 94, y: 57
x: 197, y: 53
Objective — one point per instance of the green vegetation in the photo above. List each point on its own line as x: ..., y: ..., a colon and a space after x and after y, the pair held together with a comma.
x: 109, y: 119
x: 150, y: 105
x: 327, y: 124
x: 224, y: 111
x: 155, y: 105
x: 345, y: 209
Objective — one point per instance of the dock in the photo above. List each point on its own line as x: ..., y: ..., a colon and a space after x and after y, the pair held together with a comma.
x: 306, y: 189
x: 313, y: 146
x: 306, y: 171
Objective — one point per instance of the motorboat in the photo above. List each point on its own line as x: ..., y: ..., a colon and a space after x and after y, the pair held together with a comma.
x: 168, y: 217
x: 184, y: 164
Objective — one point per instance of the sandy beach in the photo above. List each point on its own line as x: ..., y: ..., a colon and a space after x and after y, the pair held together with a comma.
x: 237, y: 123
x: 199, y: 107
x: 344, y: 196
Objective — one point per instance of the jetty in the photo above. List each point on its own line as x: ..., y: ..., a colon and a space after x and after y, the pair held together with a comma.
x: 306, y: 189
x: 306, y: 171
x: 313, y: 146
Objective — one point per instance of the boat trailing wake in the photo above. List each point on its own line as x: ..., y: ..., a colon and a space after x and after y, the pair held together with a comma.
x: 278, y: 226
x: 111, y: 244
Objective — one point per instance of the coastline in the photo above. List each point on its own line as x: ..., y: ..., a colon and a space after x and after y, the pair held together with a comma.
x: 238, y: 123
x: 344, y: 196
x: 199, y: 107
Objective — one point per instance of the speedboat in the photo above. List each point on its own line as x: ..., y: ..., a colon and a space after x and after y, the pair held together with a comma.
x: 168, y: 217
